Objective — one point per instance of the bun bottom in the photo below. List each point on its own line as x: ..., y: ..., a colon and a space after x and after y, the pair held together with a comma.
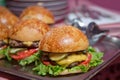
x: 66, y: 72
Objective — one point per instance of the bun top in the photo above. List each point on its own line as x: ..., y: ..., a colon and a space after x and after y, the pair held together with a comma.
x: 64, y: 39
x: 3, y: 31
x: 7, y: 17
x: 3, y: 9
x: 39, y: 13
x: 29, y: 30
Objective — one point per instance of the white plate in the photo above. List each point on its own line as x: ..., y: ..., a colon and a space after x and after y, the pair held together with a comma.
x: 53, y: 8
x: 45, y: 4
x: 61, y: 12
x: 58, y: 18
x: 56, y: 8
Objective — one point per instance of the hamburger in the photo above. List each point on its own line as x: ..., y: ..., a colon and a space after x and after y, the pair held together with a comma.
x: 3, y: 40
x: 65, y: 50
x: 7, y: 17
x: 24, y: 39
x: 37, y: 12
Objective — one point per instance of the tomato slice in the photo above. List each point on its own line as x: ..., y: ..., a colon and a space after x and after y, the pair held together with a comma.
x: 3, y: 47
x: 23, y: 54
x: 46, y: 62
x: 89, y: 56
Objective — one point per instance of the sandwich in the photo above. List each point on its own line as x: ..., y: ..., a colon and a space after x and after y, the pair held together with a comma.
x: 37, y: 12
x: 3, y: 40
x: 65, y: 50
x: 24, y: 39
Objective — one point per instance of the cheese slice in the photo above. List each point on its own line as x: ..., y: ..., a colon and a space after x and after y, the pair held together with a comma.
x: 5, y: 40
x: 28, y: 43
x: 72, y: 58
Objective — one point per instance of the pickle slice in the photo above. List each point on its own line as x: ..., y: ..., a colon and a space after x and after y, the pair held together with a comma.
x: 15, y: 50
x: 57, y: 56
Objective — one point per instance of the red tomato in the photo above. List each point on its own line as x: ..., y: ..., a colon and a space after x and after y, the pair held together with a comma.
x: 3, y: 47
x: 89, y: 56
x: 46, y: 62
x: 23, y: 54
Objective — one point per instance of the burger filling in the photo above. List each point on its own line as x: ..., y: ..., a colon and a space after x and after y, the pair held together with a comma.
x: 67, y: 59
x: 3, y: 43
x: 23, y: 44
x: 64, y: 63
x: 21, y: 51
x: 3, y: 47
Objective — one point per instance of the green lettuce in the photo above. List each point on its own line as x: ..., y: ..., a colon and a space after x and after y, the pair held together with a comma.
x: 33, y: 58
x: 5, y: 52
x: 82, y: 68
x: 43, y: 70
x: 96, y: 57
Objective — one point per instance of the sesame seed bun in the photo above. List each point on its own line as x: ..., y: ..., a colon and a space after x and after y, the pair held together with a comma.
x: 3, y: 32
x: 38, y: 12
x: 7, y: 17
x: 29, y: 30
x: 64, y: 39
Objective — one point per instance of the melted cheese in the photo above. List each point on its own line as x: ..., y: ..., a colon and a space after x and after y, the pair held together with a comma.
x: 28, y: 43
x: 72, y: 58
x: 5, y: 40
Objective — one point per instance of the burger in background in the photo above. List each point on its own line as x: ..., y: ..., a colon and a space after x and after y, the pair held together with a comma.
x: 24, y: 39
x: 3, y: 41
x: 7, y: 17
x: 65, y: 50
x: 37, y: 12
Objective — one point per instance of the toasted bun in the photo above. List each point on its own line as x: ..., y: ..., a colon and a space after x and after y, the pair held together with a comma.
x: 3, y: 32
x: 7, y: 17
x: 64, y: 39
x: 66, y: 72
x: 29, y: 30
x: 3, y: 9
x: 39, y: 13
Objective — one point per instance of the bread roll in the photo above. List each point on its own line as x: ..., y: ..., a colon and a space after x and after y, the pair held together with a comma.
x: 37, y: 12
x: 64, y: 39
x: 29, y: 30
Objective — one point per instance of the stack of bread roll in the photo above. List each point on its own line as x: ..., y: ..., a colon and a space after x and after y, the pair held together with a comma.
x: 59, y: 8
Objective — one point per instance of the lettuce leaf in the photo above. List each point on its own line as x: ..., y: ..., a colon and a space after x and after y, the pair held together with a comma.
x: 96, y: 57
x: 33, y: 58
x: 83, y: 68
x: 5, y: 52
x: 43, y: 70
x: 2, y: 53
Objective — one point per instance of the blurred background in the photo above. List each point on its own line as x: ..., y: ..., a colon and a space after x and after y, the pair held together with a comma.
x: 106, y: 13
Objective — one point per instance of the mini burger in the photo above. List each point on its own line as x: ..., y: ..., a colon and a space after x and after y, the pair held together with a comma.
x: 65, y: 50
x: 38, y: 12
x: 3, y: 40
x: 7, y: 17
x: 24, y: 40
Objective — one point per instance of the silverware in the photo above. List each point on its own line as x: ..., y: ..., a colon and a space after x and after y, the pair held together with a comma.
x: 92, y: 30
